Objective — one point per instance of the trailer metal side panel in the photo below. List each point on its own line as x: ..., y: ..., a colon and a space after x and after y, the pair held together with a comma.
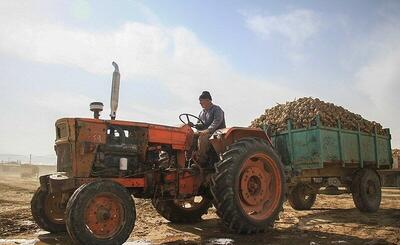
x: 318, y: 146
x: 351, y: 151
x: 330, y: 148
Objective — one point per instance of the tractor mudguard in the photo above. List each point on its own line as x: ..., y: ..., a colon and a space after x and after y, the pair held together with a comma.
x: 226, y: 136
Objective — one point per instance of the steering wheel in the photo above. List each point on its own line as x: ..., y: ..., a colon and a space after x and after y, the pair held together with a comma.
x: 188, y: 122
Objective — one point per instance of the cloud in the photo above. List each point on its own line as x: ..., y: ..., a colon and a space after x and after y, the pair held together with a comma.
x: 298, y: 25
x: 76, y: 103
x: 173, y: 56
x: 81, y: 9
x: 177, y: 59
x: 149, y: 15
x: 379, y: 78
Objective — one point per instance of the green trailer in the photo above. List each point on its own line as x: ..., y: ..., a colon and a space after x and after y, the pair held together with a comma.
x: 327, y: 160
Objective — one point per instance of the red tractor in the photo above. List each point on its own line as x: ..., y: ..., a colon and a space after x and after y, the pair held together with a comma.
x: 101, y: 164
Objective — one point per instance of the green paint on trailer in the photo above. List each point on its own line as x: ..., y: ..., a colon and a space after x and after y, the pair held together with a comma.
x: 317, y: 146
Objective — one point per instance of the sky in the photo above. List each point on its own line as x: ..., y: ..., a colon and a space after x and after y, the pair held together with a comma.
x: 55, y: 58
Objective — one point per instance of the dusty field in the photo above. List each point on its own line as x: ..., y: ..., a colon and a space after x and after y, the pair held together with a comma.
x: 333, y: 220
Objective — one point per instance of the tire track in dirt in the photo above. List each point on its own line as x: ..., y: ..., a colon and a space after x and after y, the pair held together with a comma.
x: 9, y: 187
x: 14, y: 223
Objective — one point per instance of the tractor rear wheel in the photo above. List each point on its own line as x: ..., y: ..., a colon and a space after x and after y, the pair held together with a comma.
x: 47, y: 211
x: 249, y: 186
x: 300, y: 198
x: 101, y: 212
x: 183, y: 211
x: 366, y: 190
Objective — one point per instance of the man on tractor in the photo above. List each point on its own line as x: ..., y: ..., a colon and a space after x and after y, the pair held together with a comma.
x: 211, y: 118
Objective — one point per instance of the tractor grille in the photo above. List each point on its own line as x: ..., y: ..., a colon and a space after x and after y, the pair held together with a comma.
x: 64, y: 161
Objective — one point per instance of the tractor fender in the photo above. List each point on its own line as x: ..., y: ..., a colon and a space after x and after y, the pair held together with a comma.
x: 222, y: 138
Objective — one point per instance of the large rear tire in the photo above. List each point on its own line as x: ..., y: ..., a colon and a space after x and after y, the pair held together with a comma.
x: 249, y: 186
x: 47, y: 211
x: 366, y: 190
x: 183, y: 211
x: 101, y: 213
x: 300, y: 199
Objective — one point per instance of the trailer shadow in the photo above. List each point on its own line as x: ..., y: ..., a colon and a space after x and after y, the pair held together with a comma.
x: 389, y: 217
x: 211, y: 231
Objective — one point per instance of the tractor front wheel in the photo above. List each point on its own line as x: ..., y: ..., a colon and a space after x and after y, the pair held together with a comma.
x: 366, y: 190
x: 249, y: 186
x: 101, y: 212
x: 182, y: 211
x: 48, y: 211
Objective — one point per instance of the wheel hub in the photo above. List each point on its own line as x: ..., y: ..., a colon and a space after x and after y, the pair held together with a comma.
x: 259, y: 186
x: 104, y: 216
x: 254, y: 185
x: 54, y: 209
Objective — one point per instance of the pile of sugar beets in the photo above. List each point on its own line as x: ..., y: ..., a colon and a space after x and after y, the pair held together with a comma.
x: 303, y: 113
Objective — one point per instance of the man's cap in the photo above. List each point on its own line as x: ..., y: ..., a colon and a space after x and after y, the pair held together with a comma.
x: 205, y: 95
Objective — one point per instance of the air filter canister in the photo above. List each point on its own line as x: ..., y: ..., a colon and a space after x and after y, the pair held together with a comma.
x: 123, y: 164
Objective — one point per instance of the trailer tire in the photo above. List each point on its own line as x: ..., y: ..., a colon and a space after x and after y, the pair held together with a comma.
x: 101, y: 212
x: 299, y: 200
x: 249, y: 186
x: 178, y: 211
x: 46, y: 212
x: 366, y: 190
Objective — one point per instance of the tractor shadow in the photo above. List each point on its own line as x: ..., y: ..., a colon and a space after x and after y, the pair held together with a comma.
x: 63, y: 239
x: 53, y: 239
x: 305, y: 231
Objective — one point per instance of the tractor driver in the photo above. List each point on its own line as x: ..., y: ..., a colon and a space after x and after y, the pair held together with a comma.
x: 213, y: 118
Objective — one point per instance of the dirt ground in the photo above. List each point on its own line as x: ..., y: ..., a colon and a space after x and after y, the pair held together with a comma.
x: 333, y: 220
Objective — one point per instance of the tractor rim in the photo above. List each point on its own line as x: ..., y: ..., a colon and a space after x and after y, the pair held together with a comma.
x: 53, y: 208
x: 259, y: 186
x: 192, y: 203
x: 104, y: 215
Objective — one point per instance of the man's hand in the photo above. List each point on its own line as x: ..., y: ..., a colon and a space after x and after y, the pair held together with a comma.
x: 203, y: 132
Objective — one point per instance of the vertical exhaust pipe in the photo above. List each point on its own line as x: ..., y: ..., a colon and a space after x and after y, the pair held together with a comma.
x: 115, y: 91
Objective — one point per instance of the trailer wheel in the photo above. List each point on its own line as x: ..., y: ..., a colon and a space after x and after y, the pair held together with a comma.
x: 366, y: 190
x: 182, y: 211
x: 47, y: 211
x: 249, y: 186
x: 101, y: 212
x: 300, y: 199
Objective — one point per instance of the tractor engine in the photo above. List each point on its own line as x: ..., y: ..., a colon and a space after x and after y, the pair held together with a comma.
x: 126, y: 153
